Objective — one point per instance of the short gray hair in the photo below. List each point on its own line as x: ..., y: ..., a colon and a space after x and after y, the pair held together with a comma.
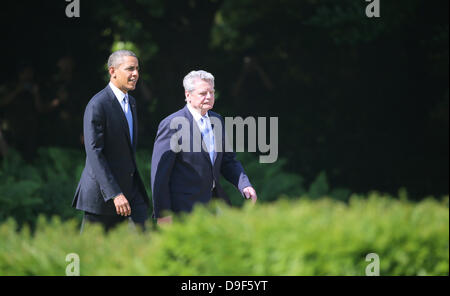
x: 116, y: 58
x: 189, y: 80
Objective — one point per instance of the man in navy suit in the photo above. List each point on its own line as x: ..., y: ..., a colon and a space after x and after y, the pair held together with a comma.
x: 181, y: 176
x: 110, y: 188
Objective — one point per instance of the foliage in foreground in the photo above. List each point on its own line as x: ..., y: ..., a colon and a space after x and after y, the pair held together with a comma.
x: 302, y: 237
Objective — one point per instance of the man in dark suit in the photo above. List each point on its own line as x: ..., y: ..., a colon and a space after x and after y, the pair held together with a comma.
x: 110, y: 188
x: 182, y: 176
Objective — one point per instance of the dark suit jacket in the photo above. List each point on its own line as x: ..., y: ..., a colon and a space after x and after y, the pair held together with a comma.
x: 179, y: 180
x: 110, y: 157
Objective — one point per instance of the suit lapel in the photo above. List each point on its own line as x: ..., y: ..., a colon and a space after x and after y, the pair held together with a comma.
x: 194, y: 125
x: 117, y: 109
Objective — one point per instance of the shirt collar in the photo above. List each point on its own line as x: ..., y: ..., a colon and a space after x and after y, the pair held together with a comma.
x: 117, y: 92
x: 197, y: 116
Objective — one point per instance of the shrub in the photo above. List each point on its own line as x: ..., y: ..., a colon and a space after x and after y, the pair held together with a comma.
x: 269, y: 180
x: 287, y: 237
x: 47, y: 185
x: 44, y: 187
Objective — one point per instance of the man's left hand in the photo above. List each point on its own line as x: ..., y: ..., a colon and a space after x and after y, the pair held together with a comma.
x: 249, y: 192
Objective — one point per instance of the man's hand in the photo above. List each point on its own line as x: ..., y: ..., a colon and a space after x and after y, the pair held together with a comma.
x: 165, y: 220
x: 122, y: 206
x: 249, y: 192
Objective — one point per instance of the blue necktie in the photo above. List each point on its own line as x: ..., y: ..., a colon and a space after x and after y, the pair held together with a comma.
x: 128, y: 115
x: 208, y: 137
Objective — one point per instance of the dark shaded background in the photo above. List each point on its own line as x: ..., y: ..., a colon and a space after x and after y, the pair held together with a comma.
x: 363, y: 99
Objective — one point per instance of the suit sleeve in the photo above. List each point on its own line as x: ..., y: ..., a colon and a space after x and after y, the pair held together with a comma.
x: 232, y: 169
x: 163, y: 159
x: 94, y: 123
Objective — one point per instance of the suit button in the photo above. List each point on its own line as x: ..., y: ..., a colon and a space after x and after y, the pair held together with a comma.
x: 132, y: 174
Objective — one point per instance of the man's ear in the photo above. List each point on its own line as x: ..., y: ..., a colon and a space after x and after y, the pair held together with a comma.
x: 188, y: 96
x: 112, y: 72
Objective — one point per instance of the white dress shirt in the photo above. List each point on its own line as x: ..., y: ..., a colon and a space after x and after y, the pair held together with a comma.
x: 120, y: 95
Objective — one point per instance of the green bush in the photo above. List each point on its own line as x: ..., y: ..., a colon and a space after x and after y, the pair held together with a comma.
x: 271, y: 180
x: 46, y: 186
x: 287, y: 237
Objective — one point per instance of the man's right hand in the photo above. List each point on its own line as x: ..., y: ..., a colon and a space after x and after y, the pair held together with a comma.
x: 122, y: 206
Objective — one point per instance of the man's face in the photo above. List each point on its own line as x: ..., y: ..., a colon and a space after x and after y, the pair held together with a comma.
x: 126, y: 75
x: 202, y: 97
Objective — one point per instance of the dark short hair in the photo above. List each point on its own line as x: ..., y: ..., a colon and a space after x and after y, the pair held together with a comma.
x: 116, y: 58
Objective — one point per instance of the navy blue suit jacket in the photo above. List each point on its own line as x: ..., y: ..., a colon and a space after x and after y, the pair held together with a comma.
x: 181, y: 179
x: 110, y: 166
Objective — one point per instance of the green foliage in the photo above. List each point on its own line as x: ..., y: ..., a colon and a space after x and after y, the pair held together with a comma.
x: 347, y: 22
x: 314, y: 56
x: 45, y: 186
x: 272, y: 181
x: 19, y: 186
x: 320, y: 187
x: 269, y: 180
x: 60, y: 170
x: 301, y: 237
